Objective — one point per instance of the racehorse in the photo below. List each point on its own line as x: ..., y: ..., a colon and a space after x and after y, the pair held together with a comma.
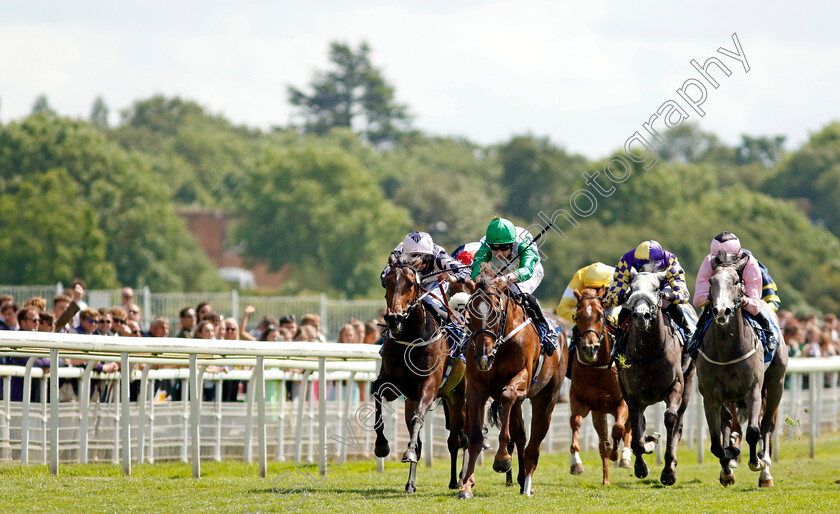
x: 505, y: 362
x: 651, y: 371
x: 595, y: 385
x: 416, y: 364
x: 730, y: 367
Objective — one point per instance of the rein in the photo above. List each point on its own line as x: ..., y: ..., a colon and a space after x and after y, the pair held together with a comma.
x: 498, y: 340
x: 738, y: 303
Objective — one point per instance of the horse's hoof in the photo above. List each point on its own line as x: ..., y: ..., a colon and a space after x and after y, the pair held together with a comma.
x: 765, y: 483
x: 465, y: 495
x: 409, y: 489
x: 625, y: 463
x: 576, y: 469
x: 757, y: 466
x: 382, y: 451
x: 668, y: 478
x: 640, y: 468
x: 509, y: 479
x: 502, y: 466
x: 727, y: 480
x: 409, y: 456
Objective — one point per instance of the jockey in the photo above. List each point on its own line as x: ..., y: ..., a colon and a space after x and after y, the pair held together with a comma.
x: 751, y: 276
x: 769, y: 292
x: 594, y: 276
x: 649, y: 256
x: 502, y: 243
x: 436, y: 265
x: 466, y: 252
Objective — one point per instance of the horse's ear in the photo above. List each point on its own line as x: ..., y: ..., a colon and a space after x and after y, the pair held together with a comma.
x: 601, y: 292
x: 742, y: 263
x: 660, y: 275
x: 392, y: 259
x: 719, y: 258
x: 633, y: 273
x: 578, y: 296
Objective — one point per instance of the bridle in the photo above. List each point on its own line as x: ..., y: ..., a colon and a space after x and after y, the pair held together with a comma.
x: 601, y: 335
x: 401, y: 318
x: 496, y: 336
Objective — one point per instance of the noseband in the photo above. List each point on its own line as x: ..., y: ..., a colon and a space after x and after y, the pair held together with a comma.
x: 417, y: 296
x: 603, y: 320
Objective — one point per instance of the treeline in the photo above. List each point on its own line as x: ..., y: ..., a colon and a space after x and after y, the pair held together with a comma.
x: 331, y: 197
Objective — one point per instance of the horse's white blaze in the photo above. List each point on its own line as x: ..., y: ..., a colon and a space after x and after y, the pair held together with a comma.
x: 589, y: 310
x: 527, y: 486
x: 574, y: 458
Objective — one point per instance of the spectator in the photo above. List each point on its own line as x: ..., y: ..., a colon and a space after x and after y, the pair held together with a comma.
x: 127, y: 297
x: 28, y: 320
x: 60, y: 304
x: 47, y: 323
x: 371, y: 332
x: 347, y: 334
x: 794, y: 338
x: 359, y: 328
x: 216, y: 320
x: 289, y: 323
x: 271, y: 333
x: 5, y: 298
x: 88, y: 322
x: 230, y: 388
x: 205, y: 330
x: 37, y: 302
x: 134, y: 313
x: 159, y: 327
x: 186, y: 322
x: 307, y: 333
x: 314, y: 321
x: 78, y: 287
x: 133, y: 328
x: 9, y: 312
x: 813, y: 340
x: 243, y: 325
x: 203, y: 309
x: 830, y: 327
x: 119, y: 318
x: 105, y: 322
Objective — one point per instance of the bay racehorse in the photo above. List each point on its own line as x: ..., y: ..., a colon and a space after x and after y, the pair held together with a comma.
x: 651, y: 371
x: 730, y: 367
x: 416, y: 364
x: 595, y: 386
x: 505, y: 362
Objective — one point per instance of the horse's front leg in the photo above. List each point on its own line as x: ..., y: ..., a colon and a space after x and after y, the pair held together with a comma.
x: 637, y: 424
x: 510, y: 394
x: 579, y: 411
x: 713, y: 420
x: 455, y: 416
x: 753, y: 431
x: 622, y: 432
x: 380, y: 392
x: 672, y: 425
x: 599, y: 420
x: 475, y: 421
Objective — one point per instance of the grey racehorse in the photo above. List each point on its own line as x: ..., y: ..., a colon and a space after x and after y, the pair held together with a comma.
x: 652, y: 372
x: 730, y: 368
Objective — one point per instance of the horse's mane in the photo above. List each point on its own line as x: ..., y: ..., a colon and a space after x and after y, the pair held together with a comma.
x: 650, y: 267
x: 484, y: 280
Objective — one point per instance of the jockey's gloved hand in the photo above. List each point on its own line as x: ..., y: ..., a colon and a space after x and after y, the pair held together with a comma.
x: 670, y: 296
x: 612, y: 320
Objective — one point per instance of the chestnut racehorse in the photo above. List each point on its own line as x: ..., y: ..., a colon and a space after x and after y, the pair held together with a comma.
x: 415, y: 364
x: 595, y: 385
x: 504, y: 362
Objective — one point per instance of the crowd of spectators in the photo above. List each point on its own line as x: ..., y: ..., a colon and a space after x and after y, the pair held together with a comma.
x: 124, y: 320
x: 808, y: 336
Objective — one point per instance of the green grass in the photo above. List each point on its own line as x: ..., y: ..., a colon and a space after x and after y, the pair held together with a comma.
x: 801, y: 485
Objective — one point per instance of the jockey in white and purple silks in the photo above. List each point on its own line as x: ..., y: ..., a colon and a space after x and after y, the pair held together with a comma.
x: 751, y: 276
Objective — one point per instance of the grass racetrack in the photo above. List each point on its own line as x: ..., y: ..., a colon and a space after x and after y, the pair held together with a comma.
x: 802, y: 484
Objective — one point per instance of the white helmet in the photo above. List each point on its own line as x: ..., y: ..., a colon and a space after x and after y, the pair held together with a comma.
x: 458, y: 302
x: 418, y: 242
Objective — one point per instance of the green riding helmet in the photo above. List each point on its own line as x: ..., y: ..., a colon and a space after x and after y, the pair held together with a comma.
x: 500, y: 231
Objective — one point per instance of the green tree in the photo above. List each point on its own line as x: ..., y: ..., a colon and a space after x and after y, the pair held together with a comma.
x: 99, y: 114
x: 763, y: 149
x: 49, y: 234
x: 42, y: 106
x: 354, y: 94
x: 145, y: 240
x: 316, y: 209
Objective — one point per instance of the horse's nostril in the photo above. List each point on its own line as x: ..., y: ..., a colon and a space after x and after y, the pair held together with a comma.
x: 647, y: 316
x: 727, y: 312
x: 715, y: 311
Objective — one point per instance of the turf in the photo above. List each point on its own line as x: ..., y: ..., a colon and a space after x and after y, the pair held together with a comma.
x: 802, y: 484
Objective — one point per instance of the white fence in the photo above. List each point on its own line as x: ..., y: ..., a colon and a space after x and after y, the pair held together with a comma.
x: 285, y: 428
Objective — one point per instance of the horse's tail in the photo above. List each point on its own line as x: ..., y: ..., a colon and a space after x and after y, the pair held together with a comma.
x: 495, y: 414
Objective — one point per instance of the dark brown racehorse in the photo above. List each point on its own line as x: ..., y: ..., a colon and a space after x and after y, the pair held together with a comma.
x: 595, y: 385
x: 653, y: 373
x: 730, y: 367
x: 414, y: 363
x: 503, y: 362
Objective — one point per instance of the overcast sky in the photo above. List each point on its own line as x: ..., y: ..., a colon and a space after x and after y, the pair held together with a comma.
x: 587, y: 76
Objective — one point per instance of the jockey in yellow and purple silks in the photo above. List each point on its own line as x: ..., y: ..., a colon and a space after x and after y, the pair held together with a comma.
x: 650, y: 256
x: 503, y: 244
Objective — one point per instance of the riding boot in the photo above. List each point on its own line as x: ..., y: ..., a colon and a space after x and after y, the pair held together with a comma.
x: 532, y: 306
x: 439, y: 311
x: 682, y: 321
x: 694, y: 343
x: 573, y: 343
x: 621, y: 333
x: 770, y: 332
